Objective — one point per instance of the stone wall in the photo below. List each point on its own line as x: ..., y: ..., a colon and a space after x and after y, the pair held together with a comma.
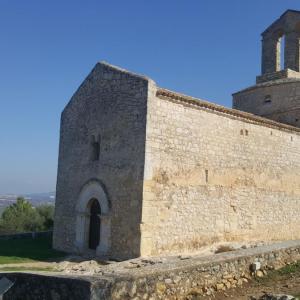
x: 194, y: 276
x: 277, y: 100
x: 211, y: 176
x: 168, y: 279
x: 34, y: 287
x: 286, y: 73
x: 108, y: 108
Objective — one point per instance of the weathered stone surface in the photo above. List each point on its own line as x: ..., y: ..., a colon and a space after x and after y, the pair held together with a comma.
x: 34, y: 287
x: 109, y: 108
x: 210, y: 177
x: 278, y: 100
x: 259, y: 273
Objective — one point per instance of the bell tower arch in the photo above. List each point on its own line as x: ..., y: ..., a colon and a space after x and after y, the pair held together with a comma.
x: 276, y: 94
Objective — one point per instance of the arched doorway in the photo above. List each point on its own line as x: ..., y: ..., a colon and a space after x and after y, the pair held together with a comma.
x: 93, y: 217
x: 94, y: 230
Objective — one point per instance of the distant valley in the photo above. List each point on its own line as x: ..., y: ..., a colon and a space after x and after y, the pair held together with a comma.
x: 35, y: 199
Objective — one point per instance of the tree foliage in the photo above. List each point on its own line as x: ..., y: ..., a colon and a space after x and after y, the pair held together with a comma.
x: 46, y: 213
x: 23, y: 217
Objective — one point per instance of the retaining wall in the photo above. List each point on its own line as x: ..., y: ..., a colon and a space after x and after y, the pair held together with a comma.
x: 171, y: 278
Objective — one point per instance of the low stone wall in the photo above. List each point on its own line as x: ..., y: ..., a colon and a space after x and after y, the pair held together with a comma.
x: 30, y: 235
x: 33, y: 287
x: 159, y: 278
x: 205, y: 275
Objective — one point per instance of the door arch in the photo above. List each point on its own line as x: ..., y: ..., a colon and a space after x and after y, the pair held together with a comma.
x: 92, y: 200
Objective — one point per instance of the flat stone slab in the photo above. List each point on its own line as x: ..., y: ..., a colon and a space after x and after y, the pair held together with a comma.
x: 5, y: 285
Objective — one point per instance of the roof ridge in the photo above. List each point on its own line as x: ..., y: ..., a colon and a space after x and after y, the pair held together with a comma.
x: 122, y: 70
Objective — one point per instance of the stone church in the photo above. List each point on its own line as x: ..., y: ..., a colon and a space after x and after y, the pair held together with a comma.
x: 147, y: 171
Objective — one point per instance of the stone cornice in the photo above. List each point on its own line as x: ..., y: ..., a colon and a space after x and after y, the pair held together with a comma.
x: 279, y: 112
x: 268, y: 83
x: 233, y: 113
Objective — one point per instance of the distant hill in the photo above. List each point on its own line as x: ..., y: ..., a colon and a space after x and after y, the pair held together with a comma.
x: 35, y: 199
x: 41, y: 198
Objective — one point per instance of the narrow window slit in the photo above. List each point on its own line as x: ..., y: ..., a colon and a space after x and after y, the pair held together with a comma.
x: 95, y: 145
x: 206, y: 176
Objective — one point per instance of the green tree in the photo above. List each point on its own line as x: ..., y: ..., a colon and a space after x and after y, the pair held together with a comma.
x: 20, y: 217
x: 46, y: 213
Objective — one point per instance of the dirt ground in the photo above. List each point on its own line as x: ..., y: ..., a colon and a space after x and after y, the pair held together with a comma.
x: 274, y: 283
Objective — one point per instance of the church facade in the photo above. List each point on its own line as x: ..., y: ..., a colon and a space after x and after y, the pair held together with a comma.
x: 146, y: 171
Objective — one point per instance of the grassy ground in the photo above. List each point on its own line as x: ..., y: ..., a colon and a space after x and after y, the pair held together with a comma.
x: 289, y: 271
x: 27, y: 268
x: 27, y: 250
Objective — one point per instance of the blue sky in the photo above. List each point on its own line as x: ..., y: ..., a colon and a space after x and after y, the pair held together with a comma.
x: 207, y: 49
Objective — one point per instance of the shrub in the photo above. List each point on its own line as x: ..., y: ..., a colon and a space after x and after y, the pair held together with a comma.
x: 46, y: 213
x: 23, y: 217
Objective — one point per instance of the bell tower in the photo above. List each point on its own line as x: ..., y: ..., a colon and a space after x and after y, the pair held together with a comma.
x: 276, y: 94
